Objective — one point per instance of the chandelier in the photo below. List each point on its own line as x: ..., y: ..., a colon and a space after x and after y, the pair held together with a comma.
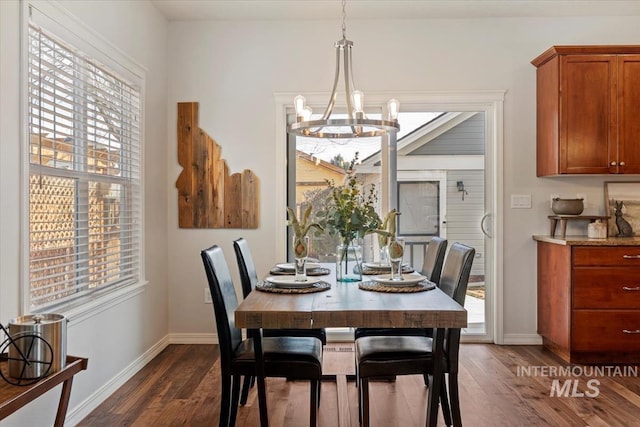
x: 356, y: 125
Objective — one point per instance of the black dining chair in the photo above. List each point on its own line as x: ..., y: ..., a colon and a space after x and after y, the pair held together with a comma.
x: 249, y: 279
x: 431, y: 269
x: 384, y: 356
x: 297, y: 358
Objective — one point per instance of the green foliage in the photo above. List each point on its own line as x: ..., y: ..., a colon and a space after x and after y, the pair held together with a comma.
x: 339, y: 161
x: 349, y: 213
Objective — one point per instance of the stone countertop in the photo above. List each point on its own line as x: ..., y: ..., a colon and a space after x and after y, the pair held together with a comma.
x: 585, y: 241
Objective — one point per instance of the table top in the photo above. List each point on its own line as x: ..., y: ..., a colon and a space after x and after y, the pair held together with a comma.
x: 14, y: 397
x: 346, y: 305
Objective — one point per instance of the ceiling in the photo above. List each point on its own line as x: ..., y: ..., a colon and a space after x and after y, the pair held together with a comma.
x: 189, y: 10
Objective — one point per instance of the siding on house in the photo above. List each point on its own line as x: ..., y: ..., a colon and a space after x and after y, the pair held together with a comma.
x: 466, y: 138
x: 311, y: 175
x: 464, y: 216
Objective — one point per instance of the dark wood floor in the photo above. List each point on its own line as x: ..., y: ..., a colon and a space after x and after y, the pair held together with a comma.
x: 181, y: 387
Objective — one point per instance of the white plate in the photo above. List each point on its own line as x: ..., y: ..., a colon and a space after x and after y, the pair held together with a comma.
x: 407, y: 279
x: 291, y: 266
x: 379, y: 266
x: 289, y: 282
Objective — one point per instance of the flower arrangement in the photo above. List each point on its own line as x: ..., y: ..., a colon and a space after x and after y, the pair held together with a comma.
x: 300, y: 230
x: 387, y: 234
x: 350, y: 213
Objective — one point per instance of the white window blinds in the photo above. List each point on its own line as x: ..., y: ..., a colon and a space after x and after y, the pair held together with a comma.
x: 84, y: 174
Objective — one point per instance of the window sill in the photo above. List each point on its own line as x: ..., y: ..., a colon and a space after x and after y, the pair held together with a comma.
x: 92, y: 305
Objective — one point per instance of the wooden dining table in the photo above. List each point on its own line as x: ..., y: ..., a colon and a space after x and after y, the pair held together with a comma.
x: 346, y: 305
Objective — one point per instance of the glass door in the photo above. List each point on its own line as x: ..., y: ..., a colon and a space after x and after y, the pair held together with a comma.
x: 435, y: 176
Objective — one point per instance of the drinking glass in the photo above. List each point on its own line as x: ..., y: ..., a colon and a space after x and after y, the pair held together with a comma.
x: 383, y: 243
x: 300, y: 251
x: 396, y: 252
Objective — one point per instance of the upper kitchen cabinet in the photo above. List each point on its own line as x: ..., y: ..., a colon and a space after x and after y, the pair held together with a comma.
x: 588, y: 102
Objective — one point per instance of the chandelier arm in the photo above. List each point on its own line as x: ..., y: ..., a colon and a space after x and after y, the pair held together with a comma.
x: 334, y: 91
x: 347, y: 85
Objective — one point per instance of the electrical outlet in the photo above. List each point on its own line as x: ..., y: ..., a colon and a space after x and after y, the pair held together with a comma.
x: 553, y: 196
x: 207, y: 296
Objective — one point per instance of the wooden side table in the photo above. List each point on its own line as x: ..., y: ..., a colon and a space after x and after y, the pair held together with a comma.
x: 13, y: 397
x: 564, y: 218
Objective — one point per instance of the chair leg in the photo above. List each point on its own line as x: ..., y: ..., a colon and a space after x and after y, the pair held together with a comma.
x: 455, y: 399
x: 225, y: 400
x: 235, y: 394
x: 313, y: 404
x: 246, y: 385
x: 444, y: 401
x: 262, y: 401
x: 359, y: 386
x: 319, y: 391
x: 364, y: 387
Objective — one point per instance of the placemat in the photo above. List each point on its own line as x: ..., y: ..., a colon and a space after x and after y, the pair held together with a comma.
x: 265, y: 286
x: 368, y: 271
x: 425, y: 285
x: 312, y: 272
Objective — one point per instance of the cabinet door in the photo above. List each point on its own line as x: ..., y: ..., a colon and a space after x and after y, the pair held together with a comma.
x: 587, y: 136
x: 629, y: 113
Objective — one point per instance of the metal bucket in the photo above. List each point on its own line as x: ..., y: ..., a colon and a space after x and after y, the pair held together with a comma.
x: 40, y: 338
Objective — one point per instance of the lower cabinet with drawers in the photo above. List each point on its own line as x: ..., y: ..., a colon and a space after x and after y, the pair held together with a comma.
x: 589, y: 299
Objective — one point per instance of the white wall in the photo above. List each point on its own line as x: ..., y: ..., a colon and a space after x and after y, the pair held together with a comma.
x: 119, y: 339
x: 234, y: 68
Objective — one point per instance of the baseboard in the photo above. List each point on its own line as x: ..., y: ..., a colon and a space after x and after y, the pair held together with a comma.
x: 522, y: 339
x: 79, y: 412
x: 339, y: 335
x: 193, y: 338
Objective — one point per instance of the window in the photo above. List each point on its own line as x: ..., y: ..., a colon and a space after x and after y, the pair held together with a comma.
x: 84, y: 130
x: 419, y: 202
x: 313, y: 162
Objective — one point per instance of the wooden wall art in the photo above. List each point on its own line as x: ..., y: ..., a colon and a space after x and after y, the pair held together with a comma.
x: 208, y: 197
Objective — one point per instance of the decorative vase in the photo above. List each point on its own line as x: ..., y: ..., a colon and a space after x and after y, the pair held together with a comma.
x: 349, y: 262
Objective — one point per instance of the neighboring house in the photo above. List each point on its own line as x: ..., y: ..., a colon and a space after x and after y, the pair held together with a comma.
x: 312, y: 173
x: 432, y: 161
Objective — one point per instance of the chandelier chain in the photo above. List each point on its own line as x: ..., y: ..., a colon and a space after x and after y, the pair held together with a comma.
x: 344, y: 19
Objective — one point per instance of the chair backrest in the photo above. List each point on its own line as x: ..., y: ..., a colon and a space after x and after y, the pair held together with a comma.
x: 225, y: 301
x: 434, y: 258
x: 453, y: 282
x: 248, y: 274
x: 456, y: 271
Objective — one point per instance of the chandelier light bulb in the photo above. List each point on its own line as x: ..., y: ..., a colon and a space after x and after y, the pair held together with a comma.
x: 393, y: 106
x: 358, y: 101
x: 306, y: 113
x: 299, y: 103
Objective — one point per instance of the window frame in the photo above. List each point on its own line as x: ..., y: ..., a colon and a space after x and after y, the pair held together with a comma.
x: 64, y: 26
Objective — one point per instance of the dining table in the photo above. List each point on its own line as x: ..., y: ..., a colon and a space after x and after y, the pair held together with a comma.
x: 348, y: 304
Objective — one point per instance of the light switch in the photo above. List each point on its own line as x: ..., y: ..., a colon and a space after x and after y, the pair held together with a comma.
x: 521, y: 201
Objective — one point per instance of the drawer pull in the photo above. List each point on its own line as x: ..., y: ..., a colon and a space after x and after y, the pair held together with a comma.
x: 626, y: 331
x: 627, y: 288
x: 631, y: 256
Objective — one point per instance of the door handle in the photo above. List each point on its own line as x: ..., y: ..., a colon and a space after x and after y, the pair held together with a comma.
x: 482, y: 225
